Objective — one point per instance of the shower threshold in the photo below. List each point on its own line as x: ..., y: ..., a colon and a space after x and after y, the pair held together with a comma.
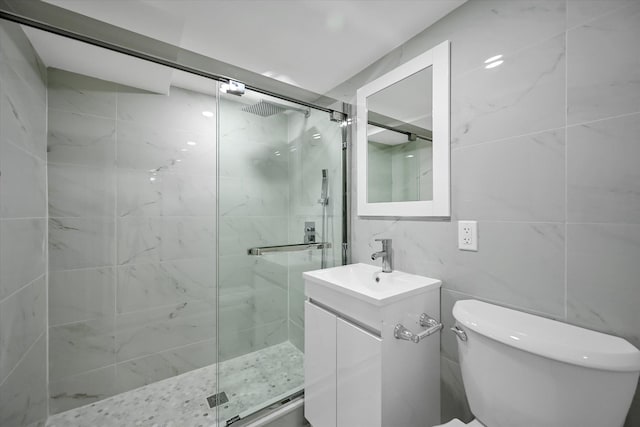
x: 251, y: 382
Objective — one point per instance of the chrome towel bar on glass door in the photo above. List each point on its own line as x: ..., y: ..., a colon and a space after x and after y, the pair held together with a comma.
x: 288, y: 248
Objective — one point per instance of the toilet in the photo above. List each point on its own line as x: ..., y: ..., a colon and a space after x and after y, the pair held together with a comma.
x: 522, y: 370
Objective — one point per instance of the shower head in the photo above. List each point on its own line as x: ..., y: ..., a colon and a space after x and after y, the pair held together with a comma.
x: 267, y: 109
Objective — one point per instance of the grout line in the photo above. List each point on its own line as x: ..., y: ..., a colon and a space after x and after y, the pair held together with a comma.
x: 115, y: 236
x: 604, y: 119
x: 23, y: 287
x: 20, y: 147
x: 46, y: 238
x: 506, y: 139
x: 566, y: 162
x: 24, y: 355
x: 602, y: 15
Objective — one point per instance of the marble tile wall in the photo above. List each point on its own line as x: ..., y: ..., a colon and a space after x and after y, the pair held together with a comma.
x: 23, y: 231
x: 254, y: 200
x: 545, y: 156
x: 132, y: 205
x: 314, y: 144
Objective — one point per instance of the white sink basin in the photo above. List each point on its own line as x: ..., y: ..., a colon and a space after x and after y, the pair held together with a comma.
x: 359, y: 281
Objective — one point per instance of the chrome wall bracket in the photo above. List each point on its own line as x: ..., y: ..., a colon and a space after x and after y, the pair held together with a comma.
x: 426, y: 321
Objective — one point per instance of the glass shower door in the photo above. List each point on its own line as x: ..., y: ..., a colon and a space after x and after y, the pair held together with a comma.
x: 280, y: 214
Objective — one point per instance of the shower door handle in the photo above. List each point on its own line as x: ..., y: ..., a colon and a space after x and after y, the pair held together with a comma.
x: 261, y: 250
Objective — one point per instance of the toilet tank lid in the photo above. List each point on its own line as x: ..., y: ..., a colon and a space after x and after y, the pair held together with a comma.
x: 548, y: 338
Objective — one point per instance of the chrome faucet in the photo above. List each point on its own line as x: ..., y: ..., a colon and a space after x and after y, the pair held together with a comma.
x: 387, y: 255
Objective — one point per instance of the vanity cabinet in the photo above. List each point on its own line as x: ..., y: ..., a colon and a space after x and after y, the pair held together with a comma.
x: 343, y: 379
x: 357, y: 374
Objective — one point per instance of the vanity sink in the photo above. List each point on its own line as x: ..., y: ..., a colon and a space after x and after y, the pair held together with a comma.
x: 367, y: 283
x: 371, y: 348
x: 365, y: 292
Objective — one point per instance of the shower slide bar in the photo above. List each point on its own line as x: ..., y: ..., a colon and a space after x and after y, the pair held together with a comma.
x: 288, y: 248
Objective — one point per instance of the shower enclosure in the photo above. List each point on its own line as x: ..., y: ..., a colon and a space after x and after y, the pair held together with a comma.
x: 181, y: 218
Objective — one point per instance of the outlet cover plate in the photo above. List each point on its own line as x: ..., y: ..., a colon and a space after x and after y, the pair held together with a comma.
x: 468, y: 235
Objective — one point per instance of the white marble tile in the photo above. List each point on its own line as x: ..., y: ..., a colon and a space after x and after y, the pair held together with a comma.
x: 602, y: 278
x: 582, y: 11
x: 22, y: 321
x: 142, y: 286
x: 18, y: 54
x: 147, y: 147
x: 139, y: 240
x: 249, y: 197
x: 23, y: 395
x: 518, y: 179
x: 82, y: 389
x: 147, y: 370
x: 80, y: 191
x: 151, y: 331
x: 237, y: 343
x: 527, y: 275
x: 155, y: 239
x: 22, y: 253
x: 181, y: 109
x: 246, y: 307
x: 249, y: 157
x: 81, y: 94
x: 23, y: 113
x: 296, y: 335
x: 188, y: 237
x: 165, y: 194
x: 81, y: 243
x: 23, y: 186
x: 237, y: 234
x: 609, y: 85
x: 525, y: 94
x: 477, y: 30
x: 603, y: 178
x: 80, y: 139
x: 79, y: 347
x: 452, y: 394
x: 81, y: 295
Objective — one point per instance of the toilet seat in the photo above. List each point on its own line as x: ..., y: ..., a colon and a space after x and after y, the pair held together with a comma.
x: 457, y: 423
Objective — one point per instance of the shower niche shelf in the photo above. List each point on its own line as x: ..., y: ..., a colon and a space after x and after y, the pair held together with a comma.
x: 356, y: 371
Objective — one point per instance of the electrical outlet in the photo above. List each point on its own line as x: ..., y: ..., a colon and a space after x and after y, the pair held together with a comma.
x: 468, y: 235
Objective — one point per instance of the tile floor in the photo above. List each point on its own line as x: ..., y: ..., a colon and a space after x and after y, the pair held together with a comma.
x: 249, y: 381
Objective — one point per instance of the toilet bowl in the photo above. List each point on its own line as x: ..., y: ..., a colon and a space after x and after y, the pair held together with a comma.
x: 522, y: 370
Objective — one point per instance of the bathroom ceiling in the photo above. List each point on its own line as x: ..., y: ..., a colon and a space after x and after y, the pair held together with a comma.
x: 313, y: 44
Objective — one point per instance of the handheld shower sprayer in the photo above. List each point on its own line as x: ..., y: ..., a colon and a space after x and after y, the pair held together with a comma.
x: 324, y: 198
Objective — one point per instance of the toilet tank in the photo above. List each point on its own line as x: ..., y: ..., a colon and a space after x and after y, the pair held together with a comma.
x: 522, y: 370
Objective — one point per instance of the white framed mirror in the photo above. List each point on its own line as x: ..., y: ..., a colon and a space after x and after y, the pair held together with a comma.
x: 403, y: 139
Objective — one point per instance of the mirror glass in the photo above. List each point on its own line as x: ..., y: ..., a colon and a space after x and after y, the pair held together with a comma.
x: 399, y: 141
x: 403, y: 139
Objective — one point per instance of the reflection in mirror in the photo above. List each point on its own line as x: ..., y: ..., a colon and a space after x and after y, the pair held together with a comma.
x: 399, y: 135
x: 403, y: 139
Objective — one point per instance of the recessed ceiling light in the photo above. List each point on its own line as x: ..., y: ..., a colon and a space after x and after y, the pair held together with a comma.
x: 183, y: 149
x: 410, y: 156
x: 192, y: 143
x: 208, y: 114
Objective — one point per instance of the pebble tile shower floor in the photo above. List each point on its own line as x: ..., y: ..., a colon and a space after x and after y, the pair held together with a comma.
x: 181, y: 401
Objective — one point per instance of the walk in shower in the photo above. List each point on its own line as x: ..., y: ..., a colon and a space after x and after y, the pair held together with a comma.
x: 181, y: 217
